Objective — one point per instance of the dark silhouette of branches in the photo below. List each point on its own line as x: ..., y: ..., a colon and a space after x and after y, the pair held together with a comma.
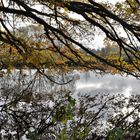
x: 94, y: 14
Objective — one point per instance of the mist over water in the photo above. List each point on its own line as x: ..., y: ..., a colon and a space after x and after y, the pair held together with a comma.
x: 84, y: 82
x: 93, y: 83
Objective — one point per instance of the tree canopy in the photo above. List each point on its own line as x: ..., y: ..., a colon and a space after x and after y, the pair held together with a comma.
x: 36, y: 109
x: 69, y: 24
x: 58, y: 35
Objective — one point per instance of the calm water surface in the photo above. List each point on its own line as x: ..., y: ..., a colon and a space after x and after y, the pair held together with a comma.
x: 92, y: 83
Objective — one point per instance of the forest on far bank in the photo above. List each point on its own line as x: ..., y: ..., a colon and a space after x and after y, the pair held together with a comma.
x: 43, y: 55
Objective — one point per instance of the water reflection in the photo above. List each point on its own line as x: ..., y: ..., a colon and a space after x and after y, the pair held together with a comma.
x: 92, y: 83
x: 82, y: 82
x: 33, y: 107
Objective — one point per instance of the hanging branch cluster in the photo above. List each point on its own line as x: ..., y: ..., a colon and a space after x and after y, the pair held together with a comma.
x: 61, y: 29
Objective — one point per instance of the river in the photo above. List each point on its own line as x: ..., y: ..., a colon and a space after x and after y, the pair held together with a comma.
x: 85, y: 82
x: 31, y: 93
x: 92, y: 83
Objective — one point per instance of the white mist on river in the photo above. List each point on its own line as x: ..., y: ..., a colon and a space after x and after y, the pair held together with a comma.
x: 93, y: 83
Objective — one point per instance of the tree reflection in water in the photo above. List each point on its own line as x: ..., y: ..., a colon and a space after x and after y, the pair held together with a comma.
x: 35, y: 108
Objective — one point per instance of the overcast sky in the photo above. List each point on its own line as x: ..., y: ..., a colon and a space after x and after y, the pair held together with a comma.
x: 97, y: 43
